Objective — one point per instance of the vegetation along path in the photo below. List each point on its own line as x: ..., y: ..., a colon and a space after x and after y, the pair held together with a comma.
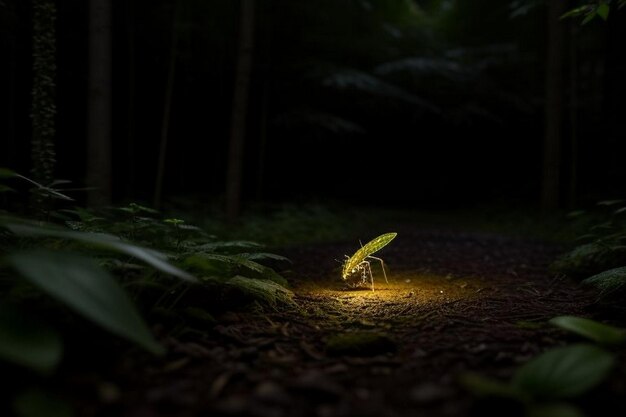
x: 454, y: 303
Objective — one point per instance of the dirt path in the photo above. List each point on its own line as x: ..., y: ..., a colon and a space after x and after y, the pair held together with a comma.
x: 454, y: 303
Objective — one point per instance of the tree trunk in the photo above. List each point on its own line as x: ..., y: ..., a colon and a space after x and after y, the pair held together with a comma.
x: 130, y: 105
x: 234, y: 173
x: 99, y: 166
x: 574, y: 115
x: 167, y: 108
x: 554, y: 103
x: 43, y: 110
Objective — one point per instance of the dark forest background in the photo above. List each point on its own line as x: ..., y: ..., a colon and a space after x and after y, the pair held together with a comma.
x: 428, y: 103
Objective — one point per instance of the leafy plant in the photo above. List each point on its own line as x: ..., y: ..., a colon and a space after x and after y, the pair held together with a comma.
x: 598, y: 332
x: 603, y: 247
x: 562, y: 373
x: 545, y: 381
x: 594, y: 8
x: 609, y: 283
x: 86, y: 288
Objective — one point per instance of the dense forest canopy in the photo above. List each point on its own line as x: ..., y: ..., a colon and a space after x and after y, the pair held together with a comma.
x: 337, y: 91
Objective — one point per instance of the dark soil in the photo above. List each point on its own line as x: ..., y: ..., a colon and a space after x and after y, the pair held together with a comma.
x: 454, y: 303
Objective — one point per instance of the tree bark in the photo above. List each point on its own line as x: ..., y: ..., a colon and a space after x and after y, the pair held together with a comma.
x: 167, y: 108
x: 43, y: 110
x: 234, y: 173
x: 99, y: 165
x: 554, y: 104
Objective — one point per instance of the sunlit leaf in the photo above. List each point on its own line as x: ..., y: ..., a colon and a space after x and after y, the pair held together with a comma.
x: 88, y: 289
x: 591, y: 329
x: 37, y: 403
x: 564, y: 372
x: 151, y: 257
x: 27, y: 342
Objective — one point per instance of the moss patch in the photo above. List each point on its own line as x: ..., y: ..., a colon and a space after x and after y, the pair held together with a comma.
x: 359, y: 344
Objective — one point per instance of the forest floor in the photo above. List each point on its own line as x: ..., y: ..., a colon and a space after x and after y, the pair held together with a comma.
x: 455, y: 302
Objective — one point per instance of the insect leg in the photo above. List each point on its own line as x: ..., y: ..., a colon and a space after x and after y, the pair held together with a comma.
x: 382, y: 264
x: 368, y: 267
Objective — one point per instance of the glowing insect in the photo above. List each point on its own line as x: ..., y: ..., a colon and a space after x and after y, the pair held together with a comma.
x: 359, y: 264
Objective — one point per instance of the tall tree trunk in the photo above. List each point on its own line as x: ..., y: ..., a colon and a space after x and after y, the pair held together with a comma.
x: 99, y: 165
x: 43, y: 110
x: 554, y: 103
x: 234, y: 173
x: 10, y: 153
x: 573, y: 113
x: 167, y: 108
x: 130, y: 109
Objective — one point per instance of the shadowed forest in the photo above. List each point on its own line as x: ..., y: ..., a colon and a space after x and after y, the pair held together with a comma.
x: 312, y: 208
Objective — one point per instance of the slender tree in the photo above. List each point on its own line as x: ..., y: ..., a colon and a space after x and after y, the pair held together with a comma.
x: 43, y: 110
x: 234, y: 174
x: 99, y: 168
x: 167, y: 107
x: 554, y: 106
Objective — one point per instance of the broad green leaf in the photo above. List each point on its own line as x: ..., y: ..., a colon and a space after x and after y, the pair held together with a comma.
x: 576, y: 12
x: 564, y: 372
x: 151, y: 257
x: 7, y: 173
x: 603, y: 11
x: 598, y: 332
x: 483, y: 386
x: 260, y: 290
x: 37, y: 403
x: 227, y: 246
x: 27, y: 342
x: 554, y: 410
x: 608, y: 282
x: 261, y: 256
x: 228, y: 266
x: 88, y: 289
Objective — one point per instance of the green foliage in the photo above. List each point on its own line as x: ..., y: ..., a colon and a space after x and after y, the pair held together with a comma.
x: 224, y: 266
x: 564, y: 372
x: 265, y: 292
x: 38, y: 403
x: 598, y: 332
x: 554, y: 410
x: 110, y: 242
x: 28, y: 342
x: 80, y: 284
x: 602, y: 247
x: 594, y: 8
x: 611, y: 283
x: 360, y: 344
x: 541, y: 383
